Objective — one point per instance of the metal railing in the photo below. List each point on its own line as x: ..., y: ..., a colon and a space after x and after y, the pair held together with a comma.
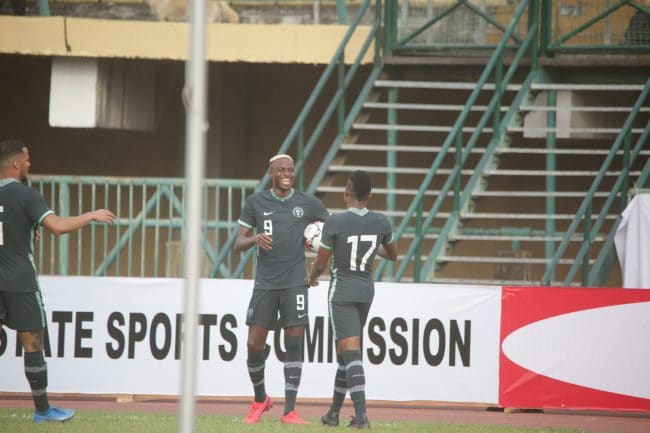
x: 433, y: 25
x: 596, y: 25
x: 565, y: 25
x: 457, y: 24
x: 463, y: 150
x: 592, y: 275
x: 146, y: 239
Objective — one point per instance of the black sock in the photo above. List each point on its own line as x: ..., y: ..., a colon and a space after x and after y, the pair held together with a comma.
x: 356, y: 380
x: 292, y: 371
x: 340, y: 388
x: 36, y: 373
x: 256, y: 364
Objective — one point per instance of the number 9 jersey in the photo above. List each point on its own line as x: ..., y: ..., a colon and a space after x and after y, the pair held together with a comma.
x: 284, y: 219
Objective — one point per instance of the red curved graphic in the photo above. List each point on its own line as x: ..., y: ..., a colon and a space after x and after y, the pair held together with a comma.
x: 522, y: 388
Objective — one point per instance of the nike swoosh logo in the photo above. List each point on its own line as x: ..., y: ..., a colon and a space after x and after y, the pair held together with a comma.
x: 300, y: 316
x: 267, y: 213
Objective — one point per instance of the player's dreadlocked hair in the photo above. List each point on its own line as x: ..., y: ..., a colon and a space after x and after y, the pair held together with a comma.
x: 9, y: 149
x: 361, y: 185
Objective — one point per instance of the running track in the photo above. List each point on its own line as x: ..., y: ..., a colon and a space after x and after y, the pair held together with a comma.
x: 603, y: 422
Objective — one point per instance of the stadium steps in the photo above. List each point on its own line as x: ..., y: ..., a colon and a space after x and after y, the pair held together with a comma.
x: 578, y: 162
x: 504, y: 229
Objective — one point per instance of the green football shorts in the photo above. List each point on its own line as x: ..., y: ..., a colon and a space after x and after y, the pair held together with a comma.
x: 290, y: 304
x: 22, y: 311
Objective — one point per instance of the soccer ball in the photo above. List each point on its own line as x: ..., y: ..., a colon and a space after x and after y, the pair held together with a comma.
x: 313, y: 233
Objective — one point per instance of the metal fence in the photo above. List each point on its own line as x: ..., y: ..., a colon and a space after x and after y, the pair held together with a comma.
x: 597, y: 24
x: 146, y: 239
x: 565, y: 25
x: 458, y: 24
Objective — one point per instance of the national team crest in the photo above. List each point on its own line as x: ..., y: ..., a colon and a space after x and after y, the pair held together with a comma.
x: 298, y: 212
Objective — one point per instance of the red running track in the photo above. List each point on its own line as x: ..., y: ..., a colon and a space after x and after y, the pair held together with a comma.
x: 603, y: 422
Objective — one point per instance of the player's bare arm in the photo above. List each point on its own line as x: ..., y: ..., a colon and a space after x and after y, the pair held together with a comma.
x: 246, y: 239
x: 61, y: 225
x: 388, y: 252
x: 319, y: 265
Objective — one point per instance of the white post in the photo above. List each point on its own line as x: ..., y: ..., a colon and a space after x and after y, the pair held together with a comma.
x: 194, y: 93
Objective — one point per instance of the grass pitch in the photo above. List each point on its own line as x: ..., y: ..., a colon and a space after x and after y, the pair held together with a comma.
x: 92, y: 421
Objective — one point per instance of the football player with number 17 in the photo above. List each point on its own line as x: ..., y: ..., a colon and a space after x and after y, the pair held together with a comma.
x: 279, y: 217
x: 352, y: 239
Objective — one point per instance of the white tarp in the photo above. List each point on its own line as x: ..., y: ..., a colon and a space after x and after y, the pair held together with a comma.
x: 122, y: 336
x: 632, y: 240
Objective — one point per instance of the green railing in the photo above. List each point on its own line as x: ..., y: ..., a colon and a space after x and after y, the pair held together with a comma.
x: 463, y: 150
x: 593, y: 275
x: 596, y: 25
x: 457, y: 24
x: 565, y: 25
x: 146, y: 239
x: 324, y: 129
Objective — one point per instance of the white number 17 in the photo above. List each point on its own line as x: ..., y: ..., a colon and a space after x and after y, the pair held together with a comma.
x: 355, y: 241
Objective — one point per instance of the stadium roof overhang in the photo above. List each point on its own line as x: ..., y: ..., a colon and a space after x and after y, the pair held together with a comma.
x: 85, y: 37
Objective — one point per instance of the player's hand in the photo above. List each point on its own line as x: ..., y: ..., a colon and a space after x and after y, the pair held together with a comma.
x: 264, y: 241
x: 104, y: 216
x: 308, y: 246
x: 313, y: 283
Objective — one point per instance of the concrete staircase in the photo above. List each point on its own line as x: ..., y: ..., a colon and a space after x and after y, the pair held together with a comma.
x: 528, y: 193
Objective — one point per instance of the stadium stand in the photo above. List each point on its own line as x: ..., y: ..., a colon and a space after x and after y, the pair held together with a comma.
x: 491, y: 128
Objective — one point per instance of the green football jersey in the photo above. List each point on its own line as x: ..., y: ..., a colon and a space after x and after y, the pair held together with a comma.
x: 354, y: 236
x: 22, y: 208
x: 284, y: 219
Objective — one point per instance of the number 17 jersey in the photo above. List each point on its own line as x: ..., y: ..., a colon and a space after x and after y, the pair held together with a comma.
x: 354, y: 236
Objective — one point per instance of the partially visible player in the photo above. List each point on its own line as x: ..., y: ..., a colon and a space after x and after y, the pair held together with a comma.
x: 22, y: 210
x: 352, y: 238
x: 279, y: 216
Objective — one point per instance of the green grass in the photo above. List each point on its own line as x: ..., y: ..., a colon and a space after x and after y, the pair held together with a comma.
x: 92, y: 421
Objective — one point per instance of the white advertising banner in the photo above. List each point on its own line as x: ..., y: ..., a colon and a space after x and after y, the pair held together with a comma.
x: 123, y: 336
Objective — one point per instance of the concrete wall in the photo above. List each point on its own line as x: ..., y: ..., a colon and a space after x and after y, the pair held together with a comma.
x: 251, y: 109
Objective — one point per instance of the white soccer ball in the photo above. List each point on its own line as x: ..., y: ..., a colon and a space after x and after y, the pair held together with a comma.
x: 313, y: 234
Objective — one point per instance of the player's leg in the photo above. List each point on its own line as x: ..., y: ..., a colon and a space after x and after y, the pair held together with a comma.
x: 35, y: 366
x: 26, y: 314
x: 256, y: 361
x: 348, y: 347
x: 293, y: 318
x: 261, y: 316
x: 331, y: 418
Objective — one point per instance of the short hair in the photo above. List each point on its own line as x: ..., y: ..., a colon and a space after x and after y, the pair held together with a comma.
x: 361, y: 185
x: 9, y: 149
x: 280, y: 156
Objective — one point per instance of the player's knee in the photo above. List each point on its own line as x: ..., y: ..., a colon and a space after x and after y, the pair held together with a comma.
x: 32, y: 341
x: 294, y: 331
x: 255, y: 345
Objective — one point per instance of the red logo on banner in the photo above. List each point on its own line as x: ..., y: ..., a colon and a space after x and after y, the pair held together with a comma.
x: 574, y: 348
